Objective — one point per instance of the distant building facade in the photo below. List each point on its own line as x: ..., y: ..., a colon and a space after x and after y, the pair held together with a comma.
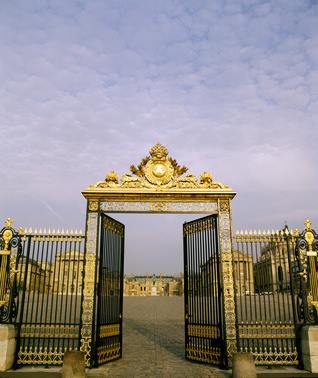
x: 147, y: 285
x: 243, y: 271
x: 35, y: 276
x: 67, y: 272
x: 271, y: 271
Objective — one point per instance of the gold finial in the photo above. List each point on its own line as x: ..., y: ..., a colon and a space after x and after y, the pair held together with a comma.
x: 307, y: 223
x: 112, y: 177
x: 158, y: 151
x: 206, y: 178
x: 309, y: 236
x: 8, y: 222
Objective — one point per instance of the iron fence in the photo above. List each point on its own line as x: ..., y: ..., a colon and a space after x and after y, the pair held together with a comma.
x: 50, y: 283
x: 275, y: 278
x: 276, y: 286
x: 266, y: 279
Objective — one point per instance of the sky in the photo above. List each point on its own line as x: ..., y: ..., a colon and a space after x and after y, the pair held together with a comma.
x: 229, y: 87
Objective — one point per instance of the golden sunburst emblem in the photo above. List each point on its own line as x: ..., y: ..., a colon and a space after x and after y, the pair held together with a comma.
x: 159, y: 170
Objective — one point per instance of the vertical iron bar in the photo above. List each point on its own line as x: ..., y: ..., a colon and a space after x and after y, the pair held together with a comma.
x: 185, y: 282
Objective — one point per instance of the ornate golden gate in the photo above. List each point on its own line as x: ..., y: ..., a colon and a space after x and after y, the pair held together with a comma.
x: 158, y: 185
x: 108, y: 338
x: 44, y: 293
x: 203, y: 303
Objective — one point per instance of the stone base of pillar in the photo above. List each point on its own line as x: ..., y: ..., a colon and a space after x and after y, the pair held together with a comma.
x: 243, y: 365
x: 8, y: 334
x: 309, y: 348
x: 73, y: 365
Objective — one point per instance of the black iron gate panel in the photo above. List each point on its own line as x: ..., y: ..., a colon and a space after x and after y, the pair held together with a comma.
x: 108, y: 345
x: 50, y: 278
x: 202, y: 295
x: 265, y: 282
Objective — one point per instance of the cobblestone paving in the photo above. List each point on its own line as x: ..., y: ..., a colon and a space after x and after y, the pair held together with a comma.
x: 153, y: 343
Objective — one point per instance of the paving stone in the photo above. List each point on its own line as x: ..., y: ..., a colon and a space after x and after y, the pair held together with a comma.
x: 154, y: 348
x: 153, y: 342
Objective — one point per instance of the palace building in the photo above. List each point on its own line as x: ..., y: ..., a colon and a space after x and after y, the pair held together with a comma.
x: 147, y: 285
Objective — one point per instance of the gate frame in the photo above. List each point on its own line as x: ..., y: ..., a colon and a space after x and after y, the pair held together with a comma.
x: 158, y: 187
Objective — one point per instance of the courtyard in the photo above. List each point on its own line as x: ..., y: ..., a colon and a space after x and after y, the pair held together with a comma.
x: 153, y: 343
x: 153, y: 347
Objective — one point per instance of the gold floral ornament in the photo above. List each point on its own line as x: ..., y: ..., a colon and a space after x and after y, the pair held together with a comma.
x: 111, y: 180
x: 159, y: 171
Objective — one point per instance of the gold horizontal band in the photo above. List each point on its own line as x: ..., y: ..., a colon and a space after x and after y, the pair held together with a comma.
x: 50, y: 331
x: 273, y: 356
x: 109, y: 330
x: 211, y: 355
x: 108, y: 352
x: 41, y: 356
x: 211, y: 332
x: 113, y: 226
x: 199, y: 226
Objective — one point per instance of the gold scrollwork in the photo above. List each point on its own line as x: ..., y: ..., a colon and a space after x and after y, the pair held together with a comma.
x: 6, y: 236
x: 224, y: 206
x: 273, y: 356
x: 113, y: 226
x: 303, y: 259
x: 159, y: 171
x: 160, y: 207
x: 93, y: 205
x: 41, y: 356
x: 228, y: 284
x: 210, y: 355
x: 196, y: 207
x: 89, y: 284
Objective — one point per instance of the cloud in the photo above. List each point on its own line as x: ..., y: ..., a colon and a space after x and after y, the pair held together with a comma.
x: 88, y: 87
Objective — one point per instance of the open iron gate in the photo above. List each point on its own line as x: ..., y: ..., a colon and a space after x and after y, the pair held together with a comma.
x: 108, y: 333
x: 202, y: 292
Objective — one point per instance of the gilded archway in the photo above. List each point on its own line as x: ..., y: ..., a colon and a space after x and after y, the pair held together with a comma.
x: 158, y: 184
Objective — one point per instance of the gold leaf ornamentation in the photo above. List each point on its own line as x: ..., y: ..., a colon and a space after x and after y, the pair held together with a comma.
x: 93, y: 205
x: 88, y: 291
x: 224, y: 206
x: 158, y: 171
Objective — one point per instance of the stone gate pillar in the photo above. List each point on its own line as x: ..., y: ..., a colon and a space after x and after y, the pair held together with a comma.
x: 225, y: 227
x: 92, y: 220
